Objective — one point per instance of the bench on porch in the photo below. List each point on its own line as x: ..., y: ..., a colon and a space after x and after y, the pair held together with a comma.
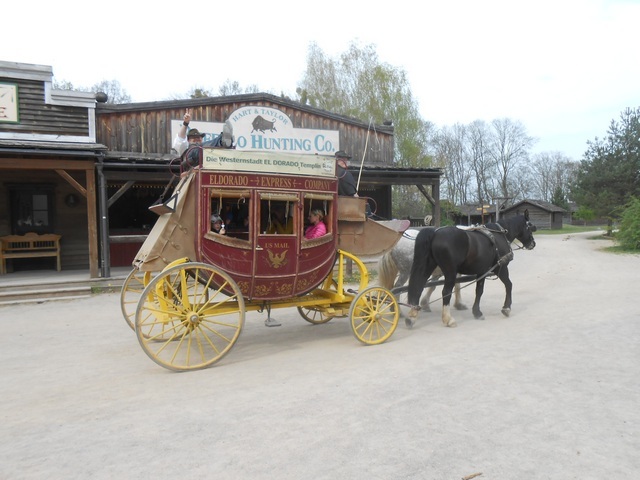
x: 29, y: 245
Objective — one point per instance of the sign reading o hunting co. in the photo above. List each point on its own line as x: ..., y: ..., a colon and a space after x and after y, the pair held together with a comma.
x: 267, y: 129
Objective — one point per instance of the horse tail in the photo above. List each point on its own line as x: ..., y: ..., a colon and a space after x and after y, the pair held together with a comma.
x: 421, y: 256
x: 387, y: 271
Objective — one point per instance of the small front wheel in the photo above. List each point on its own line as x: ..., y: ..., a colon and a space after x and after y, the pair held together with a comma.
x: 374, y: 315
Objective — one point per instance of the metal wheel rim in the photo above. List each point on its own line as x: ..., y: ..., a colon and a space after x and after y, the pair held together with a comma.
x: 184, y: 323
x: 130, y: 294
x: 316, y: 316
x: 374, y: 315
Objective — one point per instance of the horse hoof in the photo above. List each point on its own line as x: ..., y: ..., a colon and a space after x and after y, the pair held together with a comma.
x: 481, y: 317
x: 506, y: 311
x: 452, y: 324
x: 460, y: 306
x: 408, y: 322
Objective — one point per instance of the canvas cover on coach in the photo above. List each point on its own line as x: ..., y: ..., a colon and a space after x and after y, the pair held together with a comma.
x: 173, y: 235
x: 362, y: 236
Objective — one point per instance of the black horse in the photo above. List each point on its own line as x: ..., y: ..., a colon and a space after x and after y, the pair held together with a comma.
x: 480, y: 251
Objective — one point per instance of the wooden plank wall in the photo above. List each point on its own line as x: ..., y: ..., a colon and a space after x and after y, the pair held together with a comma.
x: 38, y: 118
x: 147, y: 129
x: 539, y: 217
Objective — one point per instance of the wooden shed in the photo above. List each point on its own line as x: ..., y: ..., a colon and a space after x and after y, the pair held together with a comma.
x: 543, y: 215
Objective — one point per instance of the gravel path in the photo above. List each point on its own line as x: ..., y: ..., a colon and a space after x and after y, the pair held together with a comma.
x: 552, y: 392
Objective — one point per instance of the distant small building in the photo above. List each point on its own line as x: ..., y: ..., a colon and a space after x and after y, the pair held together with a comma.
x: 543, y: 215
x: 475, y: 214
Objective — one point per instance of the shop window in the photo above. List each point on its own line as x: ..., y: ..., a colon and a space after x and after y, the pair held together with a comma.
x: 130, y: 214
x: 32, y: 209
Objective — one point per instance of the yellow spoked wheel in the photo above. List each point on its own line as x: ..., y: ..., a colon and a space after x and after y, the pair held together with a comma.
x: 374, y: 315
x: 189, y: 316
x: 131, y: 292
x: 318, y: 316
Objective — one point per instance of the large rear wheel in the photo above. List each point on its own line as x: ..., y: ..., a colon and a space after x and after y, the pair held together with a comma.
x: 318, y: 315
x: 189, y: 316
x: 374, y: 315
x: 131, y: 292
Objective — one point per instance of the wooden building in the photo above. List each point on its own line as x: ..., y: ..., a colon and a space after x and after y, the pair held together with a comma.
x: 48, y: 152
x: 88, y: 170
x: 139, y: 138
x: 543, y: 215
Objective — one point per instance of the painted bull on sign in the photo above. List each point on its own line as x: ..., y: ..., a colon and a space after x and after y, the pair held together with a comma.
x: 261, y: 125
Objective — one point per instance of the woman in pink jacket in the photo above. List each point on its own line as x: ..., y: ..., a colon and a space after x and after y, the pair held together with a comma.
x: 317, y: 227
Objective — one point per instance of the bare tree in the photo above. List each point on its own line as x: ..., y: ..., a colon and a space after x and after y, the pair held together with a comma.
x: 481, y: 163
x: 451, y: 153
x: 233, y: 88
x: 113, y: 89
x: 509, y: 149
x: 552, y: 174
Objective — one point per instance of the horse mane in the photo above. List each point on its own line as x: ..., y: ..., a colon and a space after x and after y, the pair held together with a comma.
x: 511, y: 224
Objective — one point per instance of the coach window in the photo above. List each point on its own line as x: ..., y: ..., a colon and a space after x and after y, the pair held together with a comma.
x: 322, y: 201
x: 277, y: 213
x: 233, y: 206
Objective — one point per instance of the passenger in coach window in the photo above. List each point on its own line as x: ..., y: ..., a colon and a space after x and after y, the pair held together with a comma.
x: 217, y: 225
x: 317, y: 227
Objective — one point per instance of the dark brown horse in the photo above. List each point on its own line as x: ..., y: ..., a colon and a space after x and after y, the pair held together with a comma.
x: 482, y: 251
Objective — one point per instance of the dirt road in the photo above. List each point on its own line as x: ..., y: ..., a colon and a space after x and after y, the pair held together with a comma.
x: 551, y: 392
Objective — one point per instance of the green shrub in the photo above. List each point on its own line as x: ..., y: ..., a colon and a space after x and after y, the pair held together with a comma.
x: 629, y: 232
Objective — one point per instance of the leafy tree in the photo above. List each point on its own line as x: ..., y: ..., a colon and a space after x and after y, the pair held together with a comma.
x: 199, y: 92
x: 585, y: 214
x: 609, y: 174
x: 358, y: 85
x: 629, y: 232
x: 559, y: 198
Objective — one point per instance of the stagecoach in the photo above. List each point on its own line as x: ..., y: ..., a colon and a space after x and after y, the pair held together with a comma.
x: 190, y: 288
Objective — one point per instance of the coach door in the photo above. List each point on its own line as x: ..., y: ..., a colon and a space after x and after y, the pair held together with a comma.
x: 276, y: 244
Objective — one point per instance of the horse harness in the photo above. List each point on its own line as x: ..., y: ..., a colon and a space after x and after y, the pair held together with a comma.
x: 502, y: 259
x: 505, y: 258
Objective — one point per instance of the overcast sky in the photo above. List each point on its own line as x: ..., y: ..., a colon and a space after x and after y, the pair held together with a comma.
x: 564, y: 68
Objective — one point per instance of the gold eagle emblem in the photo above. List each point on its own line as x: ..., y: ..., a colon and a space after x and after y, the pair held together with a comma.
x: 276, y: 260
